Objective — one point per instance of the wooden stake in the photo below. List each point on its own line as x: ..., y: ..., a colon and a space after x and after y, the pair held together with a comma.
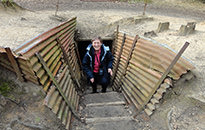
x: 14, y: 64
x: 114, y: 43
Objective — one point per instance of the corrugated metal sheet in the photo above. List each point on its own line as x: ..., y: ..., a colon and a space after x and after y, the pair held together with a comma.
x: 157, y: 57
x: 48, y: 45
x: 138, y: 70
x: 56, y: 102
x: 123, y: 47
x: 45, y: 38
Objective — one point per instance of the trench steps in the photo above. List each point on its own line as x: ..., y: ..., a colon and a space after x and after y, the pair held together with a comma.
x: 106, y: 111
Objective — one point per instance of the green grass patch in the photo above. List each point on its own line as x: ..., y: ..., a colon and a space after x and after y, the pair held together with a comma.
x: 6, y: 87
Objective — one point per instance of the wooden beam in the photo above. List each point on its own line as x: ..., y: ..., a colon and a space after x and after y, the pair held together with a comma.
x: 129, y: 57
x: 14, y: 63
x: 114, y: 43
x: 106, y: 104
x: 130, y: 53
x: 78, y: 55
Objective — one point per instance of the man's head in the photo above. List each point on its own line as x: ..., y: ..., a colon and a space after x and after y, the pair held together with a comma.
x: 97, y: 43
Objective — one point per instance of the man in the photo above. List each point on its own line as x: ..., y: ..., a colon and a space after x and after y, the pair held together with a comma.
x: 97, y: 64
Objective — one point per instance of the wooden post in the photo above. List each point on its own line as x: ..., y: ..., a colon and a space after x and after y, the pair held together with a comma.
x: 14, y: 64
x: 78, y: 55
x: 130, y: 53
x: 57, y: 86
x: 129, y: 57
x: 114, y: 43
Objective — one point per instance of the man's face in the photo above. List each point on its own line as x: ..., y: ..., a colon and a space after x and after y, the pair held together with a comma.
x: 96, y: 44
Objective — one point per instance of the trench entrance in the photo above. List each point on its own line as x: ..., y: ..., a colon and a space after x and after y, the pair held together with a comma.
x: 82, y: 45
x: 50, y: 59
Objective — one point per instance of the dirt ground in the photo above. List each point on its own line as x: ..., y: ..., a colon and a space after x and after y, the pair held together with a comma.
x: 183, y: 107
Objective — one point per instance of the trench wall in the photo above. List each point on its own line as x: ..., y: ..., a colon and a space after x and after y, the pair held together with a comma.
x: 138, y: 66
x: 56, y: 46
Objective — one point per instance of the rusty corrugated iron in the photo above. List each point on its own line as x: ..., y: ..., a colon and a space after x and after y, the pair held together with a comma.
x: 27, y: 46
x: 157, y: 57
x: 47, y: 46
x: 144, y: 67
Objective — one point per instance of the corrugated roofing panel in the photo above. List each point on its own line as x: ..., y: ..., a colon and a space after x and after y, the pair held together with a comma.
x: 137, y: 74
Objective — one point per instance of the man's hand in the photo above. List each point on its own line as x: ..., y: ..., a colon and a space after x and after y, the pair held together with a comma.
x: 110, y: 71
x: 92, y: 80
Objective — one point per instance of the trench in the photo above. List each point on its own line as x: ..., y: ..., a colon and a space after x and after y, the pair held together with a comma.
x: 53, y: 59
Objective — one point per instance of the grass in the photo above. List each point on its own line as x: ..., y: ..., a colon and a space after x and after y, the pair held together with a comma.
x: 5, y: 87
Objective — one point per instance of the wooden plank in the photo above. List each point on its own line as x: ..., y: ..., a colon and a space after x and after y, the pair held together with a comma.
x: 78, y: 54
x: 114, y: 43
x: 14, y: 64
x: 105, y: 104
x: 77, y: 103
x: 107, y: 119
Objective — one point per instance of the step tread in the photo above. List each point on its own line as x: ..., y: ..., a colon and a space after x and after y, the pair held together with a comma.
x: 106, y: 111
x: 103, y: 98
x: 107, y: 119
x: 112, y: 125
